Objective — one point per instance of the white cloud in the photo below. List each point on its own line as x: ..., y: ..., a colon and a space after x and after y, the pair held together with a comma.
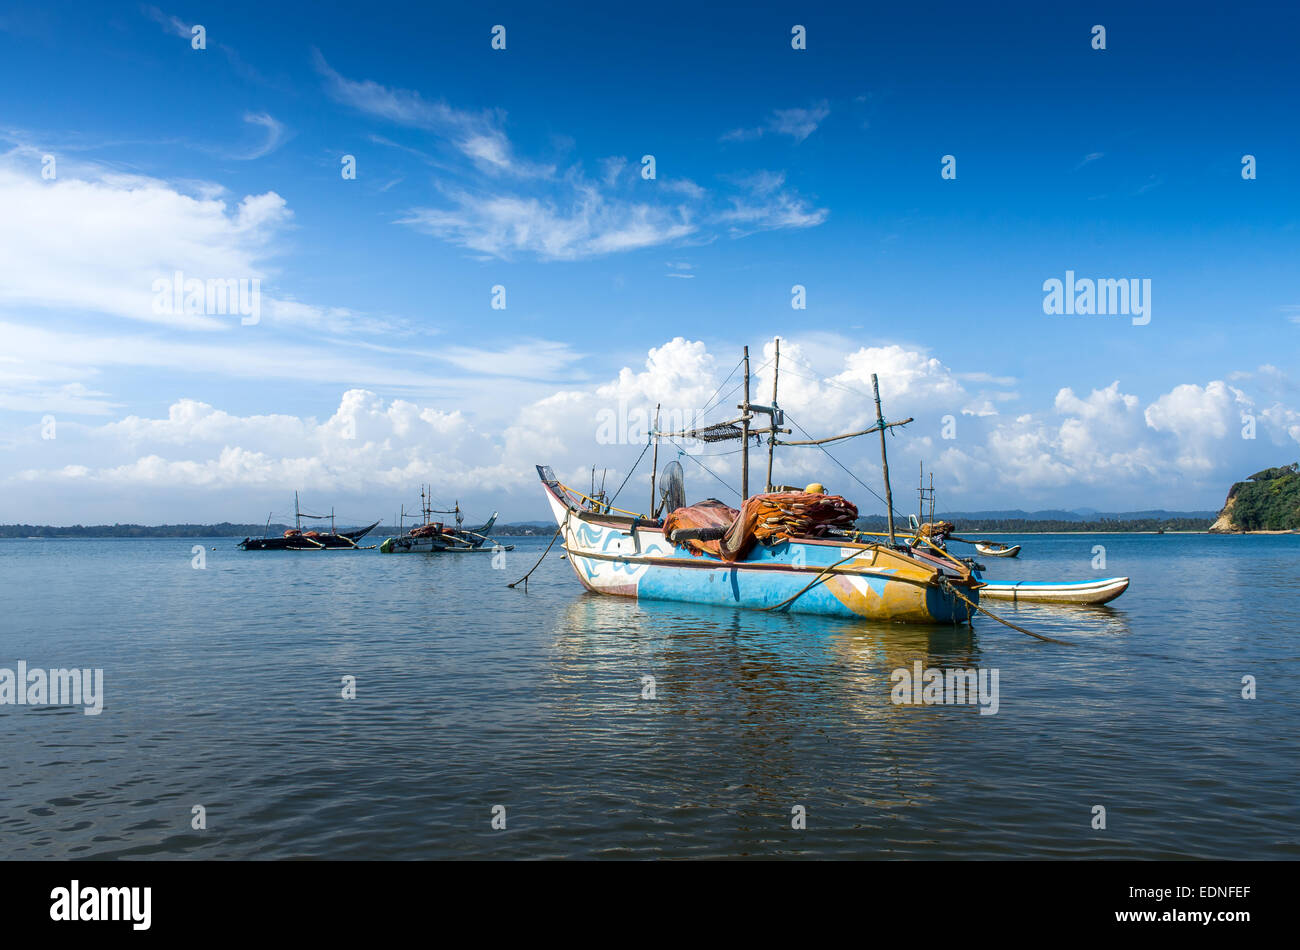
x: 477, y: 135
x: 500, y: 204
x: 1200, y: 420
x: 588, y: 224
x: 1086, y: 448
x: 173, y: 25
x: 798, y: 124
x: 97, y: 244
x: 275, y: 134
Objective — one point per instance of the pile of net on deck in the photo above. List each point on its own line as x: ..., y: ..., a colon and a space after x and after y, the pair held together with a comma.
x: 711, y: 527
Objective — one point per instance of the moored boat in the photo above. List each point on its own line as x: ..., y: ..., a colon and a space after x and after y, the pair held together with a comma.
x: 996, y: 549
x: 437, y: 537
x: 781, y: 550
x: 1052, y: 592
x: 295, y: 539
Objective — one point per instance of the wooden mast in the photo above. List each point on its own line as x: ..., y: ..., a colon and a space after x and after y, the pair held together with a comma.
x: 771, y: 439
x: 744, y: 436
x: 654, y: 467
x: 884, y: 459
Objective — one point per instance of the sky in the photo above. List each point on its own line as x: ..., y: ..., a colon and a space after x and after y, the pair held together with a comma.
x: 460, y: 260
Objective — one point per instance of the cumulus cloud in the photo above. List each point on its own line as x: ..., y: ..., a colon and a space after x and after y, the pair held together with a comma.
x: 98, y: 243
x: 1090, y: 447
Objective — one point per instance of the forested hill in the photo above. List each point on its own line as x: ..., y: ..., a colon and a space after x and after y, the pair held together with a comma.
x: 1267, y: 501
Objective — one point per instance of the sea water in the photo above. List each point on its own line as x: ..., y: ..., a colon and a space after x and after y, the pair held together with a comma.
x: 361, y: 705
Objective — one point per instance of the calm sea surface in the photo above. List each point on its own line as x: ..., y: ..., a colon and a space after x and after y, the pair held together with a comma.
x: 223, y: 689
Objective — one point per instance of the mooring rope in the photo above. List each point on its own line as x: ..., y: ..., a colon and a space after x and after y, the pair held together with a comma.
x: 524, y: 580
x: 811, y: 583
x: 1038, y: 636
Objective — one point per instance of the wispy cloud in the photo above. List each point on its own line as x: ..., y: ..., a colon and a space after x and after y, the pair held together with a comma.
x: 1089, y: 159
x: 798, y: 124
x: 477, y: 135
x: 174, y: 25
x: 275, y: 134
x: 767, y: 205
x: 499, y: 204
x: 587, y: 225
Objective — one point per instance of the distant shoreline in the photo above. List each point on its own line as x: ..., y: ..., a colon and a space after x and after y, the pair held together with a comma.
x: 545, y: 533
x: 219, y: 530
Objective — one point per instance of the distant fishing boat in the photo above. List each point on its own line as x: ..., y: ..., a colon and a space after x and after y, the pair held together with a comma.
x: 783, y: 549
x: 436, y: 537
x: 295, y: 539
x: 1083, y: 592
x: 934, y: 533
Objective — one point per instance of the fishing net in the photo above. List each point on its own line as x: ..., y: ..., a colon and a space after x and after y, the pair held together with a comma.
x: 714, y: 528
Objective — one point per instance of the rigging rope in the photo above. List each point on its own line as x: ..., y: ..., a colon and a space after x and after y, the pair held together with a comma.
x: 681, y: 450
x: 841, y: 465
x: 629, y: 473
x: 721, y: 384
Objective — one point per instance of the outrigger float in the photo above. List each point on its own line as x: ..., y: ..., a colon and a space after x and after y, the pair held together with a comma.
x: 436, y: 537
x: 295, y: 539
x: 783, y: 550
x: 933, y: 533
x: 1050, y: 592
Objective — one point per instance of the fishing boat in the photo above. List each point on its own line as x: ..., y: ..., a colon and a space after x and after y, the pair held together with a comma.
x: 295, y: 539
x: 437, y: 537
x: 1052, y: 592
x: 929, y: 532
x: 783, y: 550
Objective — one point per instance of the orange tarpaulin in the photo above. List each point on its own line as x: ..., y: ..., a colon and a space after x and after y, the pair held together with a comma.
x: 711, y: 527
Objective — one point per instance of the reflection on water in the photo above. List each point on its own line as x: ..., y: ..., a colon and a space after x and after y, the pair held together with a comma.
x: 222, y: 688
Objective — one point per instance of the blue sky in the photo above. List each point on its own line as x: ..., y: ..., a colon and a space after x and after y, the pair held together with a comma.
x: 521, y: 168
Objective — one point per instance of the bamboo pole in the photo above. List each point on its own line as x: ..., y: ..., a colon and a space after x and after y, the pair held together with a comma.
x: 771, y: 438
x: 744, y: 436
x: 884, y: 459
x: 836, y: 438
x: 654, y: 468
